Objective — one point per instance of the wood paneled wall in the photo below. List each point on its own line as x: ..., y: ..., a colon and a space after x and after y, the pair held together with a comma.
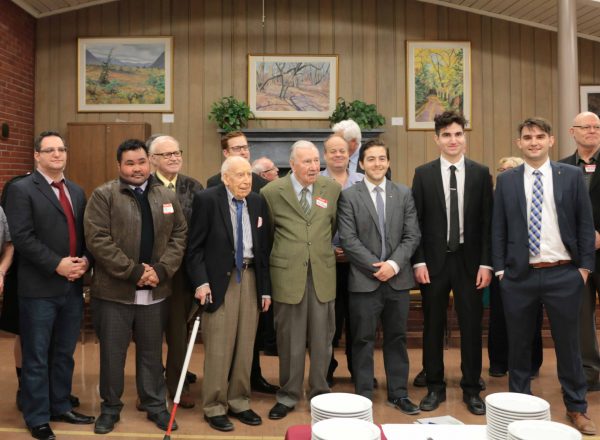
x: 514, y: 67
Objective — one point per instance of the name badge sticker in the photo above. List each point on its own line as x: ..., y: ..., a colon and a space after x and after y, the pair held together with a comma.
x: 168, y: 208
x: 321, y: 203
x: 590, y: 168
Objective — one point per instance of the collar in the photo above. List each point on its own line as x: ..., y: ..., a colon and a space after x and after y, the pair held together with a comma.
x: 545, y: 168
x: 371, y: 186
x: 49, y: 180
x: 166, y: 181
x: 355, y: 155
x: 593, y: 159
x: 298, y: 186
x: 445, y: 164
x: 143, y: 186
x: 230, y: 196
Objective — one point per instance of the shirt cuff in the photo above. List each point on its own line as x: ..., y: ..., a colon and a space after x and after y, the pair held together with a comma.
x: 483, y: 266
x: 203, y: 285
x: 394, y: 266
x: 266, y: 296
x: 419, y: 265
x: 500, y: 272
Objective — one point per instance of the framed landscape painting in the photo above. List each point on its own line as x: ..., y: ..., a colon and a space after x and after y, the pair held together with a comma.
x: 438, y: 76
x: 125, y: 74
x: 292, y: 86
x: 589, y: 99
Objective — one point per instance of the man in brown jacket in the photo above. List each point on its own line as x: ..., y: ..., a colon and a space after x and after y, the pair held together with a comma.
x: 136, y: 231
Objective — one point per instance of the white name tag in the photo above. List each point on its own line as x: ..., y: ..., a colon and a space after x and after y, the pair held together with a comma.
x: 321, y: 203
x: 590, y: 168
x: 168, y: 208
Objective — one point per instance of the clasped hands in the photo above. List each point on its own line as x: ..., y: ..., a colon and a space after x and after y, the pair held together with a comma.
x: 72, y: 268
x: 149, y: 277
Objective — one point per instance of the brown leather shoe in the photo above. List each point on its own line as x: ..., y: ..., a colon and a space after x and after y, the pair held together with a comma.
x: 582, y: 422
x: 186, y: 401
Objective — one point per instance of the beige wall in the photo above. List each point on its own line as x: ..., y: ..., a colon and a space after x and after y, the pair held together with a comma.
x: 514, y: 67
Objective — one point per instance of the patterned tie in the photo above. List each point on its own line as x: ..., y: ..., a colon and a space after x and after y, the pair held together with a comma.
x: 454, y: 236
x: 381, y: 217
x: 304, y: 201
x: 535, y: 214
x: 171, y: 186
x: 68, y: 210
x: 239, y: 246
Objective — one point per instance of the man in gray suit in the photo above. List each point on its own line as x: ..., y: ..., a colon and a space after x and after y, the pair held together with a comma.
x: 379, y: 242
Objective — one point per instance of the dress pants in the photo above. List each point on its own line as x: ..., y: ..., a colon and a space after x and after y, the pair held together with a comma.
x: 49, y: 331
x: 469, y: 309
x: 296, y: 324
x: 589, y: 342
x: 365, y: 310
x: 342, y: 314
x: 559, y: 289
x: 115, y: 324
x: 176, y: 332
x: 228, y: 334
x: 498, y: 336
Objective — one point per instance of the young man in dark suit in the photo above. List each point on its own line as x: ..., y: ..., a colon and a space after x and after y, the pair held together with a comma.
x: 45, y: 216
x: 453, y: 197
x: 228, y: 264
x: 543, y: 252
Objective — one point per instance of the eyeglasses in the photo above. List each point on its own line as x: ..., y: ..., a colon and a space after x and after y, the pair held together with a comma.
x: 588, y: 127
x: 169, y: 154
x: 53, y: 150
x: 271, y: 169
x: 239, y: 148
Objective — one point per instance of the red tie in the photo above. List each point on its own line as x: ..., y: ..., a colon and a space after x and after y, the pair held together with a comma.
x: 68, y: 210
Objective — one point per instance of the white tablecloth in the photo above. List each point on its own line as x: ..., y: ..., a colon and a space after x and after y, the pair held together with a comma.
x: 434, y: 432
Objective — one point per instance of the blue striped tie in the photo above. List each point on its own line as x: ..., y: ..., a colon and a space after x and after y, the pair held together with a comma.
x: 535, y: 214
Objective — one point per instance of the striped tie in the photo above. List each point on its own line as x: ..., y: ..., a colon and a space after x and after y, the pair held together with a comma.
x: 535, y: 214
x: 304, y: 201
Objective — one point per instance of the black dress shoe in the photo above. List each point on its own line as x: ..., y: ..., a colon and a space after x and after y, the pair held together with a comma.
x: 19, y: 403
x: 260, y: 385
x: 161, y: 420
x: 74, y: 400
x: 190, y: 377
x: 106, y: 423
x: 42, y: 432
x: 432, y: 400
x: 279, y: 411
x: 404, y: 405
x: 247, y: 417
x: 420, y: 379
x: 475, y: 404
x: 74, y: 418
x: 497, y: 372
x: 375, y: 383
x: 220, y: 423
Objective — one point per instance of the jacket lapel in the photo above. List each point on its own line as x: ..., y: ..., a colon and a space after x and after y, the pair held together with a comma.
x: 368, y: 202
x: 437, y: 183
x: 557, y: 185
x: 224, y: 209
x: 253, y: 219
x: 390, y: 203
x: 47, y: 191
x: 519, y: 189
x: 467, y: 191
x: 287, y: 193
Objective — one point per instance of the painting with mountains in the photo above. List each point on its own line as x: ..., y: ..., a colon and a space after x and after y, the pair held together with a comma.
x: 125, y: 74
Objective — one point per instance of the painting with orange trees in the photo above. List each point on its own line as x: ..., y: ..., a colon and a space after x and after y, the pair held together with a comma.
x: 438, y: 78
x: 292, y: 87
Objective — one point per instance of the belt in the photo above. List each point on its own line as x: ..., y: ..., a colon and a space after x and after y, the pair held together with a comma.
x: 248, y: 262
x: 544, y: 264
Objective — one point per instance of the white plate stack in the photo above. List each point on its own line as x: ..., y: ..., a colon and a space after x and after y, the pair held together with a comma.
x: 344, y: 429
x: 341, y: 405
x: 505, y: 408
x: 541, y: 430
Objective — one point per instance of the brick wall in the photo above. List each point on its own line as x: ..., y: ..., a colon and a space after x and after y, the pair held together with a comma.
x: 17, y: 67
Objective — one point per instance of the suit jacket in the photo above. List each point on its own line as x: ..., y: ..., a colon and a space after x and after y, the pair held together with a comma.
x: 40, y: 234
x: 428, y: 192
x: 257, y: 182
x: 510, y: 237
x: 299, y: 238
x: 210, y: 254
x: 594, y: 192
x: 360, y: 235
x: 185, y: 188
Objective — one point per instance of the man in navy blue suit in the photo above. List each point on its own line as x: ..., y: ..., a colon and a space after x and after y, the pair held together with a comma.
x: 543, y: 252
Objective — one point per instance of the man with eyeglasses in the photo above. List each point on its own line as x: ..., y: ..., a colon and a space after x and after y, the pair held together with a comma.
x: 586, y: 133
x: 45, y: 216
x: 265, y: 168
x: 235, y: 144
x: 167, y: 160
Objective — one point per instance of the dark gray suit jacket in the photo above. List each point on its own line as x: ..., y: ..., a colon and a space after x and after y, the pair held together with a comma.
x: 360, y: 235
x: 39, y: 230
x: 510, y: 238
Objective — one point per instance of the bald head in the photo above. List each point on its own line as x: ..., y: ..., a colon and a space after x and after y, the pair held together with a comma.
x: 586, y: 133
x: 236, y: 174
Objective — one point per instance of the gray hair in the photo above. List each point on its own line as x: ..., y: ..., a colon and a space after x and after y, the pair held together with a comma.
x: 156, y: 139
x: 301, y: 144
x: 348, y: 129
x: 260, y: 165
x: 229, y: 162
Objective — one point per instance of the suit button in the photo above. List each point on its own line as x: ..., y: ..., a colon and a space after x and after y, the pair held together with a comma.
x: 308, y: 224
x: 308, y: 243
x: 228, y: 274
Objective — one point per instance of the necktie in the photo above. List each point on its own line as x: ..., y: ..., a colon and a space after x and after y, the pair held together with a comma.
x: 68, y: 210
x: 304, y: 201
x: 138, y: 191
x: 171, y: 186
x: 454, y: 236
x: 381, y: 217
x: 535, y: 214
x: 239, y: 246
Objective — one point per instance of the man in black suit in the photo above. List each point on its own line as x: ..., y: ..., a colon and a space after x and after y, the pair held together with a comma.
x: 235, y: 144
x: 586, y: 132
x: 45, y: 216
x: 166, y: 157
x: 453, y: 196
x: 543, y: 252
x: 227, y: 261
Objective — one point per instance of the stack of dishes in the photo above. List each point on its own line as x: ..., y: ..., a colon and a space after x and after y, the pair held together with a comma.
x: 505, y: 408
x: 344, y: 429
x: 340, y: 405
x: 541, y: 430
